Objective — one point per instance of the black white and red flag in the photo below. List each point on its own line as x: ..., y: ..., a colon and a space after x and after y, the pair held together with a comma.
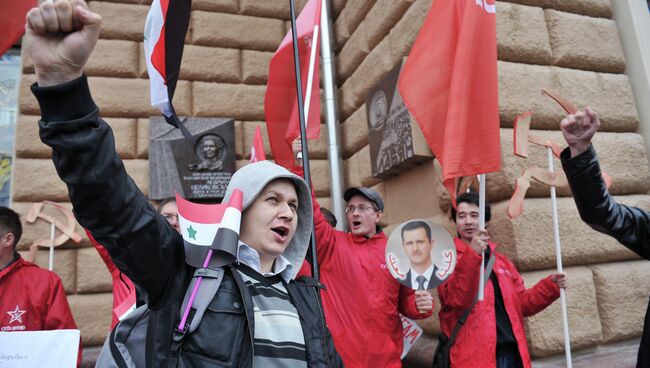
x: 164, y: 36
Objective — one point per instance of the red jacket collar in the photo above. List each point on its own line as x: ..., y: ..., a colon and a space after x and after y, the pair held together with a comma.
x: 16, y: 264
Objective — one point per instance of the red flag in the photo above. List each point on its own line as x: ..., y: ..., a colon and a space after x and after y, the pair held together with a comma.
x: 257, y: 149
x: 449, y: 84
x: 12, y: 21
x: 281, y: 101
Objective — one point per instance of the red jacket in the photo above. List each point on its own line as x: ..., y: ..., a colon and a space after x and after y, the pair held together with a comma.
x: 33, y: 299
x: 476, y: 342
x: 362, y: 299
x: 123, y: 288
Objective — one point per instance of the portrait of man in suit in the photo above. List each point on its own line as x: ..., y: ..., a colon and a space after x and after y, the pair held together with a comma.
x: 418, y: 245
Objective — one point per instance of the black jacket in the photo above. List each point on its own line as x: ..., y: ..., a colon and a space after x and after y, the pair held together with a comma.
x: 629, y: 225
x: 108, y: 203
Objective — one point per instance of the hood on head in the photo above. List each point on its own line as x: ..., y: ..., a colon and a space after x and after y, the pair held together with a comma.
x: 252, y: 178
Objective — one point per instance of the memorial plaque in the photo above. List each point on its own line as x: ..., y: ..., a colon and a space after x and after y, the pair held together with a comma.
x: 395, y: 140
x: 199, y: 171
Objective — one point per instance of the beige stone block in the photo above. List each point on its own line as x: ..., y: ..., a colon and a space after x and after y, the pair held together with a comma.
x: 93, y: 314
x: 337, y: 6
x: 608, y: 94
x: 28, y: 142
x: 594, y: 8
x: 403, y: 34
x: 352, y: 53
x: 125, y: 131
x: 248, y: 132
x: 40, y: 229
x: 269, y: 8
x: 326, y: 202
x: 210, y: 64
x: 226, y: 6
x: 255, y: 66
x: 544, y: 330
x: 528, y: 239
x: 114, y: 58
x: 64, y: 265
x: 622, y: 291
x: 373, y: 68
x: 522, y: 35
x: 355, y: 132
x: 26, y: 100
x: 582, y: 42
x: 121, y: 21
x: 409, y: 195
x: 122, y: 97
x: 239, y: 140
x: 622, y: 157
x: 320, y: 177
x: 238, y: 101
x: 349, y: 19
x: 139, y: 171
x: 142, y: 141
x: 358, y: 171
x: 236, y: 31
x: 92, y: 273
x: 36, y: 180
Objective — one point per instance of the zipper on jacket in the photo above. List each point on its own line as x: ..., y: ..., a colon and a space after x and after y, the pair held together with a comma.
x: 314, y: 290
x: 248, y: 324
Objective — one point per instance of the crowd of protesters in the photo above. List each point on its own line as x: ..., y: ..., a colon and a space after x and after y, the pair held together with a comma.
x: 268, y: 311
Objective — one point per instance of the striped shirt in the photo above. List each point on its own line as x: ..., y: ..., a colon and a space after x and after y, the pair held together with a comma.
x: 278, y: 340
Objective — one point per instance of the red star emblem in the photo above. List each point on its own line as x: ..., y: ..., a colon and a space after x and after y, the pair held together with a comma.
x: 16, y: 315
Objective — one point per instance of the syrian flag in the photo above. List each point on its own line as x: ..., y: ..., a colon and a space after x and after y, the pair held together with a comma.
x: 281, y: 98
x: 164, y: 36
x: 210, y: 228
x: 257, y: 148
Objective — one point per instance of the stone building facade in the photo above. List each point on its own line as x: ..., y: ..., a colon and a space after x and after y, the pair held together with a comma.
x: 571, y: 47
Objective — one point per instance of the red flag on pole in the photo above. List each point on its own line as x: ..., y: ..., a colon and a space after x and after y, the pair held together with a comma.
x: 449, y: 84
x: 280, y: 101
x: 12, y: 22
x: 257, y: 148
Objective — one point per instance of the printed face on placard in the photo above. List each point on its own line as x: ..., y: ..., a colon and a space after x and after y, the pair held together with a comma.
x: 420, y: 255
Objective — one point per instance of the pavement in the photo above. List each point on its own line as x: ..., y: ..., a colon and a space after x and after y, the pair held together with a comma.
x: 615, y: 355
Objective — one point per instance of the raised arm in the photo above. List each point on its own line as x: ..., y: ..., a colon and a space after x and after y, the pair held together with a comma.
x: 106, y: 201
x: 629, y: 225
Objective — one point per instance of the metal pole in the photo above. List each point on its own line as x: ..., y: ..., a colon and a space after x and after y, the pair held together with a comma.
x: 303, y: 131
x: 481, y: 226
x: 333, y: 126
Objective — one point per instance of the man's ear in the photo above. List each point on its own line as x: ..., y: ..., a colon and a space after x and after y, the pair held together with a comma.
x: 7, y: 240
x: 380, y: 214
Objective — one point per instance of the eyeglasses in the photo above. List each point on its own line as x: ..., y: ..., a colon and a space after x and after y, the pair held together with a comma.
x: 361, y: 208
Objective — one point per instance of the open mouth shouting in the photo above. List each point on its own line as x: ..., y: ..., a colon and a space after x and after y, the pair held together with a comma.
x: 280, y: 233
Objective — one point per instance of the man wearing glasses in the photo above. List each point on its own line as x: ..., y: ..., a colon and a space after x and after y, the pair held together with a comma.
x: 362, y: 300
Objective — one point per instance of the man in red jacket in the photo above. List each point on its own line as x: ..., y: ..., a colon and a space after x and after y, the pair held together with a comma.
x: 362, y: 301
x: 493, y: 334
x: 31, y: 298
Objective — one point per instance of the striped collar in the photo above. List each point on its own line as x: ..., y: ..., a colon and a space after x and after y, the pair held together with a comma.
x: 251, y: 258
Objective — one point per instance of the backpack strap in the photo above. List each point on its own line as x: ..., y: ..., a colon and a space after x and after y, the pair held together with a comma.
x: 463, y: 318
x: 211, y: 280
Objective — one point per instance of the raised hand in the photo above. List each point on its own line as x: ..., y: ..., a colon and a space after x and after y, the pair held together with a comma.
x: 480, y: 241
x: 560, y: 279
x: 578, y: 130
x: 60, y: 37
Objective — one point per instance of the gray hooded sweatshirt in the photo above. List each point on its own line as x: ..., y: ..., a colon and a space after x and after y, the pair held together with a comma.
x: 251, y: 180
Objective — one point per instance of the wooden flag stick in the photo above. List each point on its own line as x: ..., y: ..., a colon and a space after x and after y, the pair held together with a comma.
x: 558, y: 258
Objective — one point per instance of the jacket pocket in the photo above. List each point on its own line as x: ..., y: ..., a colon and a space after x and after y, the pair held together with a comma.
x: 219, y: 339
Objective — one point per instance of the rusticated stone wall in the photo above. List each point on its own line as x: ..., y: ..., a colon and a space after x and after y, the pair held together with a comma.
x: 571, y: 47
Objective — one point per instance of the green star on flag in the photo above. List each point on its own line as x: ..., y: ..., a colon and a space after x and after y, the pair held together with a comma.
x: 191, y: 232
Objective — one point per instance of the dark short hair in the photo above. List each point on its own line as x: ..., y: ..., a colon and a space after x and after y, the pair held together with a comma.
x: 471, y: 198
x: 164, y: 202
x: 329, y: 216
x: 10, y: 223
x: 414, y: 225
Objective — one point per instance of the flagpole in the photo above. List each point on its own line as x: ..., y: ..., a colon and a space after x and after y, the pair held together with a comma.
x: 310, y: 78
x: 51, y: 262
x: 558, y: 259
x: 303, y: 130
x: 481, y: 226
